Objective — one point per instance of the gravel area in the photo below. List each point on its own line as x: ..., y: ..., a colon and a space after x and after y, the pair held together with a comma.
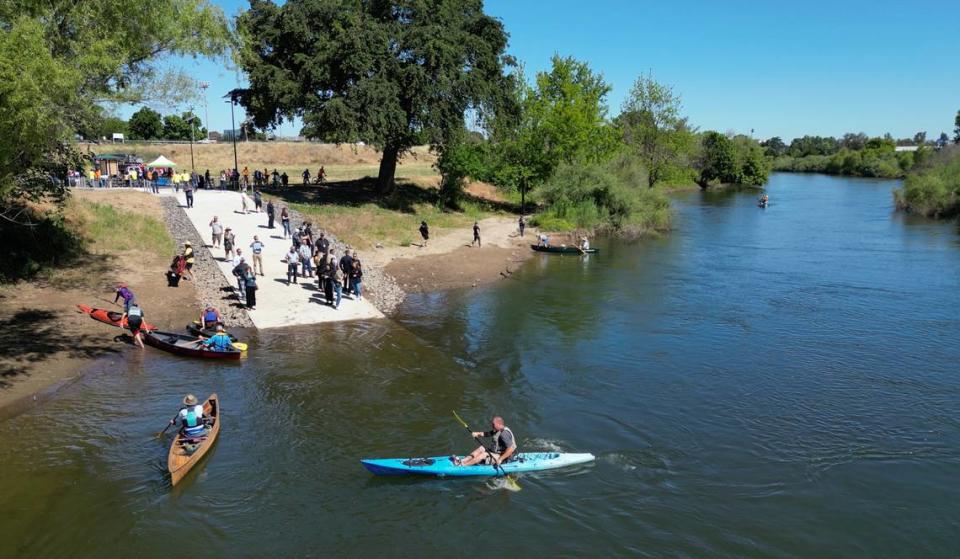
x: 210, y: 284
x: 378, y: 286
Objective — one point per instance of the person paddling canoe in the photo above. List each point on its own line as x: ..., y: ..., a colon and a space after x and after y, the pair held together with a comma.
x: 192, y: 422
x: 504, y: 445
x: 219, y: 341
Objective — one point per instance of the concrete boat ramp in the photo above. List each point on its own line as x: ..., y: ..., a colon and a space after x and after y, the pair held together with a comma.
x: 278, y: 304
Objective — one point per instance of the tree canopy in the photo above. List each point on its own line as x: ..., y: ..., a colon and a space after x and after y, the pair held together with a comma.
x: 391, y: 74
x: 654, y: 129
x: 61, y: 59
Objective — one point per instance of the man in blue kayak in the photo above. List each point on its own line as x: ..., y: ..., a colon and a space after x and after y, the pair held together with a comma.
x: 219, y: 341
x: 504, y: 445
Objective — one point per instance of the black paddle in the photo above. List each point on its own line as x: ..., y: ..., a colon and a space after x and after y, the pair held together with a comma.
x: 161, y: 433
x: 512, y: 483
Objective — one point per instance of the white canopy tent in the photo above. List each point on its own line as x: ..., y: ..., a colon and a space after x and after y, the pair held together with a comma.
x: 161, y: 163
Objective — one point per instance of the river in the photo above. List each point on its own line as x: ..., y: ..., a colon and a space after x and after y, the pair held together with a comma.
x: 761, y: 382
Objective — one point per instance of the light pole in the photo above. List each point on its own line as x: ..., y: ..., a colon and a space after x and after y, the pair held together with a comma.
x: 206, y: 114
x: 233, y: 133
x: 192, y: 120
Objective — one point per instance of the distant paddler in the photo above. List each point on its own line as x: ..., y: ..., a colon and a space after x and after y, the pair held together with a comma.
x: 543, y: 240
x: 134, y: 321
x: 193, y: 423
x: 584, y: 244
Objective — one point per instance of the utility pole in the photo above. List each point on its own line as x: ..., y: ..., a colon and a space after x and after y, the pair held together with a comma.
x: 206, y: 114
x: 233, y: 132
x: 193, y: 121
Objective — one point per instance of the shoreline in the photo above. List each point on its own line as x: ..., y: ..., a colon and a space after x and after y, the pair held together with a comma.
x: 447, y: 262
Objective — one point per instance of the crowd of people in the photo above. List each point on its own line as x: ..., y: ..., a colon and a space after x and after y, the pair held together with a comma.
x: 309, y: 256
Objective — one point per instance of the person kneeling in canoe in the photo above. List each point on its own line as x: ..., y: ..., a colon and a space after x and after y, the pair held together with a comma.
x: 504, y: 446
x: 210, y: 318
x: 219, y: 341
x: 192, y: 423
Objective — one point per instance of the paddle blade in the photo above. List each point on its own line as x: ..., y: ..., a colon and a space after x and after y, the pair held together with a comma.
x: 240, y: 345
x: 462, y: 422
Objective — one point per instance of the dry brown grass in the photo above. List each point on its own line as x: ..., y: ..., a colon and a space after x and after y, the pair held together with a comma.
x: 342, y: 162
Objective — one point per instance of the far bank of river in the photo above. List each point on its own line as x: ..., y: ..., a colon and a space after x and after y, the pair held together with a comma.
x: 777, y: 382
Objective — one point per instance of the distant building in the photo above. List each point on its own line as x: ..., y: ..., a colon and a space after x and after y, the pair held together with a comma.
x: 229, y: 135
x: 117, y: 137
x: 214, y: 136
x: 906, y: 148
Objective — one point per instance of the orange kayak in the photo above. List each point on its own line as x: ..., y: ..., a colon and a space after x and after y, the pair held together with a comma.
x: 109, y: 317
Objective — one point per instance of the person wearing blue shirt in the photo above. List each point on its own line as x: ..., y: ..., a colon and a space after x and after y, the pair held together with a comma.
x: 219, y: 341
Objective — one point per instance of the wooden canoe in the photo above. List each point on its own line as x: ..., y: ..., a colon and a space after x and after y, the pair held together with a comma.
x: 179, y: 462
x: 186, y: 346
x: 109, y: 317
x: 564, y: 250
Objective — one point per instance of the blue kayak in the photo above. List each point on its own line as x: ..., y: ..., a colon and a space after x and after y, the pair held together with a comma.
x: 444, y: 466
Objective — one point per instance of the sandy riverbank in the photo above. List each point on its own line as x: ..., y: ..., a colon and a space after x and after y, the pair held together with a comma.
x: 44, y: 342
x: 47, y: 344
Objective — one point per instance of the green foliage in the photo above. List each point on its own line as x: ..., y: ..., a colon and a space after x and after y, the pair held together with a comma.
x: 877, y: 162
x: 59, y: 60
x: 774, y: 147
x: 737, y: 160
x: 934, y: 189
x: 651, y: 124
x: 146, y: 124
x: 393, y: 74
x: 608, y: 195
x: 813, y: 145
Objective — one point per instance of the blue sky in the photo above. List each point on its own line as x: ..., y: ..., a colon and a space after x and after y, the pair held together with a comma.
x: 780, y: 68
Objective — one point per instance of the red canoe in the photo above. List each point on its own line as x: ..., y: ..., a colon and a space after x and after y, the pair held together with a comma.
x: 109, y: 317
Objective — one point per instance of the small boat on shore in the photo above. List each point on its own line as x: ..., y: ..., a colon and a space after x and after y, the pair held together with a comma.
x: 109, y: 317
x: 185, y: 453
x: 443, y: 466
x: 562, y: 249
x: 187, y: 346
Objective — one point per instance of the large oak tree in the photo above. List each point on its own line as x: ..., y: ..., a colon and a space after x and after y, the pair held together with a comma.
x: 393, y: 74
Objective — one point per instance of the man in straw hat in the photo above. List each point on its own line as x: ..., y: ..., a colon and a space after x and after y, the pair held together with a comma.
x: 189, y: 258
x: 192, y: 423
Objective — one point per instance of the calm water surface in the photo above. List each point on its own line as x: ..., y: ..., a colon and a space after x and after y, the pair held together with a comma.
x: 761, y: 383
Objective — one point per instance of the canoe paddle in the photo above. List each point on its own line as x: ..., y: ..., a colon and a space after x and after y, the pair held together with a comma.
x: 161, y: 433
x: 511, y: 482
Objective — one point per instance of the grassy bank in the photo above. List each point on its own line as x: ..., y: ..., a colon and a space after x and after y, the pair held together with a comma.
x: 354, y: 213
x: 934, y: 189
x: 81, y: 232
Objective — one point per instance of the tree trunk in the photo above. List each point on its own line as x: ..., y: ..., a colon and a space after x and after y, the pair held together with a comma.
x: 388, y: 169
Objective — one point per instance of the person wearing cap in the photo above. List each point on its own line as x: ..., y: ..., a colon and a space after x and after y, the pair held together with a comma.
x: 189, y: 258
x: 216, y: 231
x: 191, y: 417
x: 128, y: 297
x: 229, y: 239
x: 257, y: 248
x: 219, y: 341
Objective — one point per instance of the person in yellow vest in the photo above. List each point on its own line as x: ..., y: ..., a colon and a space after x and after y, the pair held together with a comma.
x: 91, y: 177
x: 189, y: 258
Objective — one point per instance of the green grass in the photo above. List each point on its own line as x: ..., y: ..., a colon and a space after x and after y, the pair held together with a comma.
x: 366, y: 225
x: 105, y: 229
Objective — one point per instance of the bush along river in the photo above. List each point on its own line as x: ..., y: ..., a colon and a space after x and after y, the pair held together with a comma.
x: 760, y: 383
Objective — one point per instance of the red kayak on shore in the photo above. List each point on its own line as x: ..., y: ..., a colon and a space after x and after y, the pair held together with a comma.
x: 109, y: 317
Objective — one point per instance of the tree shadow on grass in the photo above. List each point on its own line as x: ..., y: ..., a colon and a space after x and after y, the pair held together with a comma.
x: 33, y: 336
x: 355, y: 193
